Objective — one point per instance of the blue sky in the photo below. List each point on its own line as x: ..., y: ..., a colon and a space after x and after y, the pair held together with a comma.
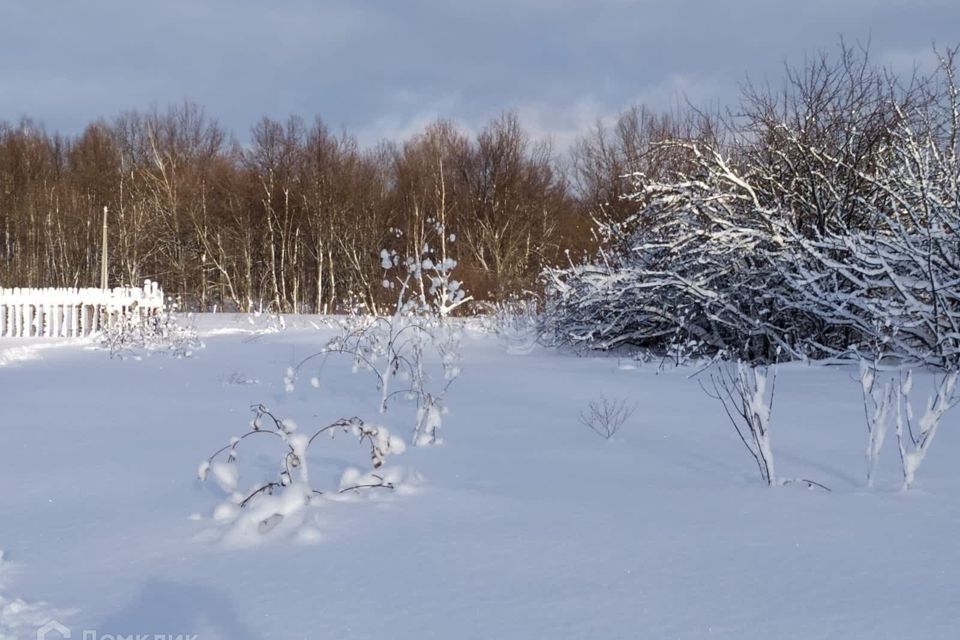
x: 384, y: 69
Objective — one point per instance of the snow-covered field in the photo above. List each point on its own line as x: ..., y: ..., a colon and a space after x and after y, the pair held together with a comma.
x: 523, y: 523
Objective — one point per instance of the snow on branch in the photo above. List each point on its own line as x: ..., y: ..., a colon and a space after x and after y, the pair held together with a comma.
x: 914, y: 441
x: 746, y: 393
x: 823, y: 224
x: 263, y: 505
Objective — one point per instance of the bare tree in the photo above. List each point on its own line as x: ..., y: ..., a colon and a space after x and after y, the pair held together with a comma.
x: 605, y: 416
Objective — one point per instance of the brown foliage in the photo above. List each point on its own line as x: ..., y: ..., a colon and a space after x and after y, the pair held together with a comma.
x: 295, y: 220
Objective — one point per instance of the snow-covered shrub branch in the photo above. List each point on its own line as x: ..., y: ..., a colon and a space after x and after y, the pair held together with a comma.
x: 746, y: 393
x: 879, y: 398
x: 748, y: 402
x: 424, y: 278
x: 914, y: 441
x: 399, y: 348
x: 890, y: 401
x: 130, y: 335
x: 291, y: 488
x: 395, y: 350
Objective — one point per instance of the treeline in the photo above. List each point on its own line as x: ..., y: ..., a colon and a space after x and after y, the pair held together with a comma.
x: 816, y: 218
x: 295, y: 220
x: 821, y: 218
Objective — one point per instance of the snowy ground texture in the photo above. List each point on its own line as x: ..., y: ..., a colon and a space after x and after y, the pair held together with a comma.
x: 523, y: 524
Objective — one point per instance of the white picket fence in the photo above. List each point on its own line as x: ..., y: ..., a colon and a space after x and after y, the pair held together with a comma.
x: 73, y: 312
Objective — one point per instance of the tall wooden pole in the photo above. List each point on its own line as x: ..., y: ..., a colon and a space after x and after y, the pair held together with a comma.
x: 105, y: 253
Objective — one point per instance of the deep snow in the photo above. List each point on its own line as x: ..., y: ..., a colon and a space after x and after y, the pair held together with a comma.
x: 525, y: 524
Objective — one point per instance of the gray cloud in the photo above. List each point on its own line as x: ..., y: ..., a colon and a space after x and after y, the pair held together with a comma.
x: 385, y: 68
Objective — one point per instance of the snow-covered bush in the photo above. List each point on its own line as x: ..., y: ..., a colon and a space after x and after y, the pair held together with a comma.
x: 890, y: 401
x: 886, y: 271
x: 258, y: 507
x: 821, y: 223
x: 748, y: 402
x: 395, y: 349
x: 129, y: 336
x: 398, y: 349
x: 424, y: 279
x: 914, y: 441
x: 878, y: 400
x: 746, y: 393
x: 604, y: 416
x: 689, y: 274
